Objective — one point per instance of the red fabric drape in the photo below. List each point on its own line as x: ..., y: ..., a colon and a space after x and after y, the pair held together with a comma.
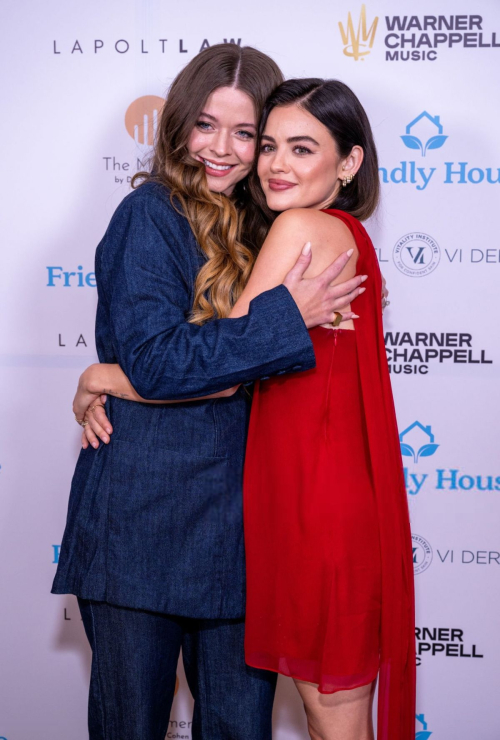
x: 397, y: 678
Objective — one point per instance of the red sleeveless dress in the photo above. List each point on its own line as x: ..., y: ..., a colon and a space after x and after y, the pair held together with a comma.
x: 327, y: 535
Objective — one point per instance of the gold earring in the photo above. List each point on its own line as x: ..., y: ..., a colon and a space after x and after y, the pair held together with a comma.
x: 347, y: 180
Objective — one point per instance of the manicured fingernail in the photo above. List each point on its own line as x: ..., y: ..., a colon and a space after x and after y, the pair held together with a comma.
x: 363, y: 278
x: 105, y: 440
x: 355, y: 316
x: 307, y: 248
x: 108, y: 429
x: 362, y: 290
x: 95, y: 445
x: 350, y: 251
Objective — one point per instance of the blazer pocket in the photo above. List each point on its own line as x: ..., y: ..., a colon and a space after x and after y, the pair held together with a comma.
x: 167, y: 512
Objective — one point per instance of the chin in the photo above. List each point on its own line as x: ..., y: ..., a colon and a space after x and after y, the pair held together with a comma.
x: 280, y: 202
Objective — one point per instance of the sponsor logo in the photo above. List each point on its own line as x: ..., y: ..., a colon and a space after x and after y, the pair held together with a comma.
x: 175, y: 725
x: 418, y: 442
x: 141, y: 119
x: 444, y: 642
x: 423, y: 134
x: 56, y: 276
x: 425, y: 450
x: 80, y: 341
x: 422, y: 554
x: 420, y: 38
x: 104, y: 47
x: 416, y: 254
x: 424, y: 733
x: 469, y: 557
x: 415, y: 353
x: 358, y: 41
x: 141, y: 123
x: 434, y: 142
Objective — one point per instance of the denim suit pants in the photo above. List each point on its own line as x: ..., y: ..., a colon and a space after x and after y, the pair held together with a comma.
x: 134, y: 662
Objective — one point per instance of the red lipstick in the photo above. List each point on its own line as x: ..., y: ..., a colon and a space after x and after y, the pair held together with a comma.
x: 280, y: 184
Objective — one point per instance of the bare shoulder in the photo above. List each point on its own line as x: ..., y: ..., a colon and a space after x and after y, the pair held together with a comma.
x: 309, y: 224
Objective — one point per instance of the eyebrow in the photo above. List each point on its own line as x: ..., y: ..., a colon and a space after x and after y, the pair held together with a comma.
x: 213, y: 118
x: 292, y: 139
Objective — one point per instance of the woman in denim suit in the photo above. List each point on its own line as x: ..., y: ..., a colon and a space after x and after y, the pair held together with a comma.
x: 153, y: 545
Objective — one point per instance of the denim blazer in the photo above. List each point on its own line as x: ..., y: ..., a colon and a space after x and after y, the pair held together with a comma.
x: 155, y: 517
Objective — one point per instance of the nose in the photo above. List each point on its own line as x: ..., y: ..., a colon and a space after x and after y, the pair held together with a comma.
x: 220, y: 144
x: 278, y: 162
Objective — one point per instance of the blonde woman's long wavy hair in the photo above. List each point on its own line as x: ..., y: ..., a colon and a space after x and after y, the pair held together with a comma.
x: 229, y: 230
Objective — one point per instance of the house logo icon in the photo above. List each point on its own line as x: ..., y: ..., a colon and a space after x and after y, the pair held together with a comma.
x: 423, y: 441
x: 420, y: 124
x: 358, y: 41
x: 422, y: 734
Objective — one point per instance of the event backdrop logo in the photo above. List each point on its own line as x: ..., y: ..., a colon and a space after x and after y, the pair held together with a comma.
x: 423, y: 134
x: 425, y: 450
x: 416, y: 352
x: 422, y: 554
x: 141, y: 119
x: 422, y: 734
x: 358, y: 41
x: 446, y: 642
x: 56, y: 276
x: 416, y: 254
x: 434, y: 142
x: 417, y: 442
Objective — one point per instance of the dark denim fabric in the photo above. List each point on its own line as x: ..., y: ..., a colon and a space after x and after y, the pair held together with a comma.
x: 155, y: 517
x: 134, y: 661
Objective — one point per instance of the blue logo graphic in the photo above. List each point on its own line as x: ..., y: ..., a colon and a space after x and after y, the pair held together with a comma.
x: 435, y: 142
x: 425, y: 450
x: 78, y: 279
x: 56, y: 550
x: 422, y: 734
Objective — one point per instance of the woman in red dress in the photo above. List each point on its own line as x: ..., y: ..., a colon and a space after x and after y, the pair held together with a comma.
x: 328, y: 544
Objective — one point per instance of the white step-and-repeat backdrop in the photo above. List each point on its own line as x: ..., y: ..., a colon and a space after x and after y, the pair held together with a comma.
x: 78, y: 79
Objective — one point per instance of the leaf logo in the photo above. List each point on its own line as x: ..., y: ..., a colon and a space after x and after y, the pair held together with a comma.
x: 407, y: 450
x: 435, y: 142
x: 424, y: 451
x: 412, y: 143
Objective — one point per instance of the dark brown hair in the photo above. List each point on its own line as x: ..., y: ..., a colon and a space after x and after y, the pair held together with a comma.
x: 228, y: 230
x: 336, y: 107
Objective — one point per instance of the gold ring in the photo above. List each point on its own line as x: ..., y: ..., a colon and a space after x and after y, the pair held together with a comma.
x: 338, y: 318
x: 83, y: 423
x: 93, y: 408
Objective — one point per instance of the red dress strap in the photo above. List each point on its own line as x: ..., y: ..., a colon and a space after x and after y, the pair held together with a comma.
x: 397, y: 679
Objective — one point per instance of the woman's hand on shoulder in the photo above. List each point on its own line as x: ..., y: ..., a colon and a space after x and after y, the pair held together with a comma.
x: 322, y: 282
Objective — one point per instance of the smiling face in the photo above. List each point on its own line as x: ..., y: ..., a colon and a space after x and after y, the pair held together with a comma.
x: 224, y: 138
x: 299, y: 165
